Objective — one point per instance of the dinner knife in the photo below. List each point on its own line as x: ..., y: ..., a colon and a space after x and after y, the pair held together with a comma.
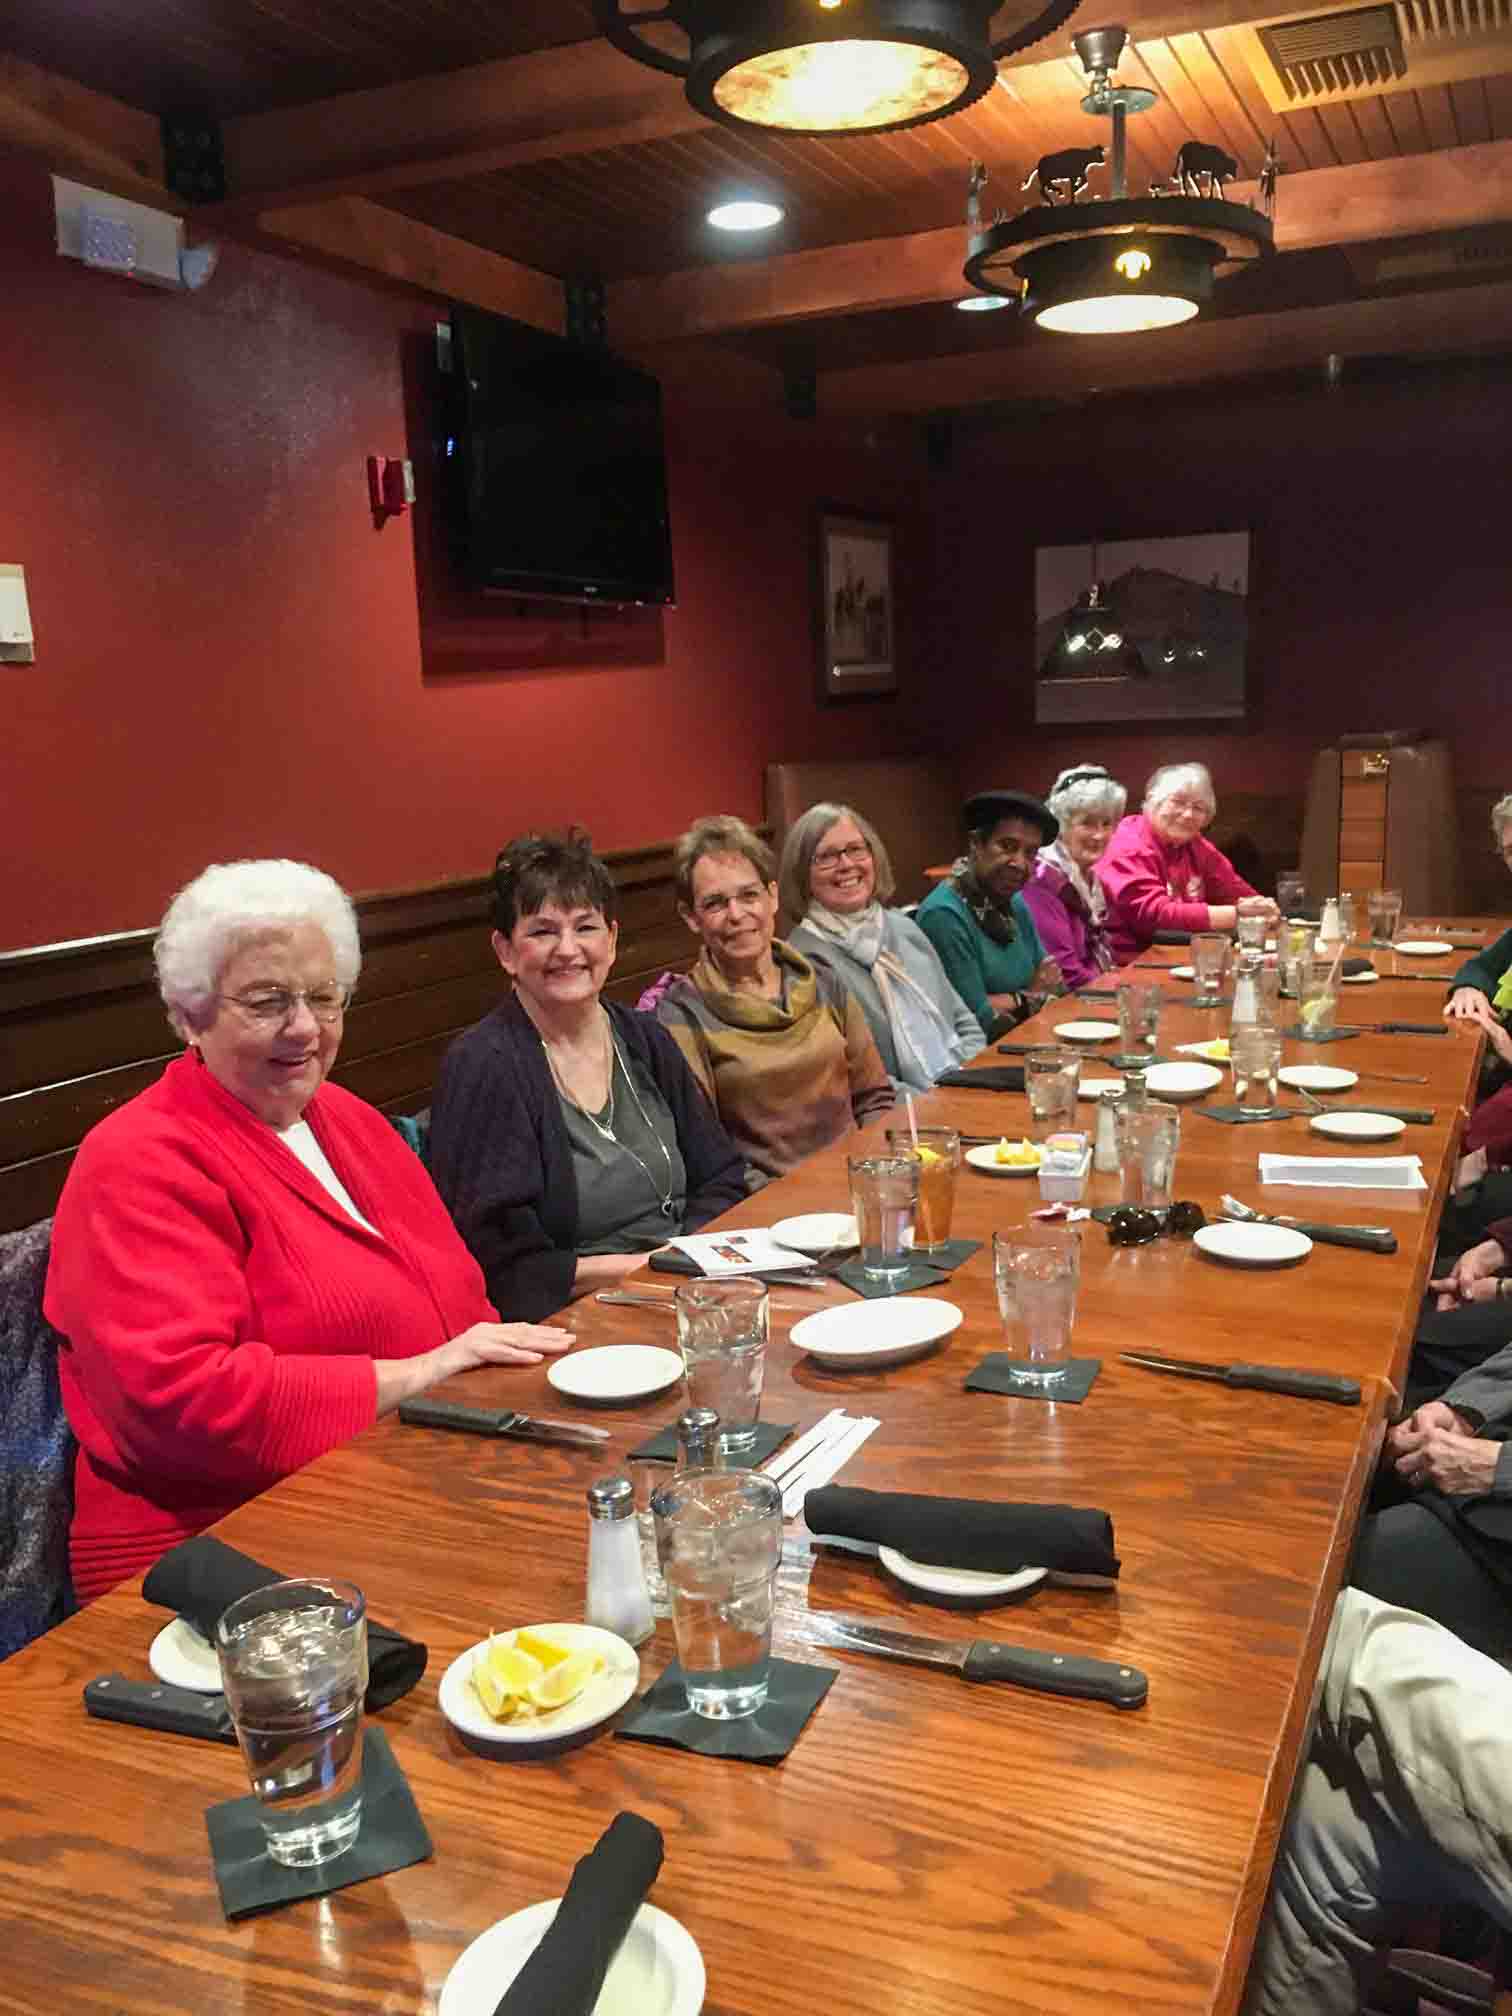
x: 149, y: 1704
x: 1365, y: 1238
x: 497, y: 1421
x: 1268, y: 1378
x: 988, y: 1659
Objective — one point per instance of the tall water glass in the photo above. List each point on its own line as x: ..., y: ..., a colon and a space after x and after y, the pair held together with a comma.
x: 1291, y: 892
x: 1346, y: 917
x: 885, y: 1198
x: 1210, y: 951
x: 719, y: 1536
x: 1318, y: 996
x: 1138, y: 1021
x: 1385, y: 907
x: 1253, y: 921
x: 1037, y: 1270
x: 1255, y: 1055
x: 1050, y: 1078
x: 722, y: 1332
x: 937, y: 1150
x: 1147, y: 1142
x: 293, y: 1660
x: 1294, y: 949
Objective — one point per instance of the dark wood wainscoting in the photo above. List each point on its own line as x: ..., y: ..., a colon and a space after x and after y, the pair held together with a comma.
x: 1260, y: 832
x: 82, y: 1028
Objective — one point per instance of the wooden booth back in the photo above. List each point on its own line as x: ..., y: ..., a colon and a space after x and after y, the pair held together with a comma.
x: 82, y: 1028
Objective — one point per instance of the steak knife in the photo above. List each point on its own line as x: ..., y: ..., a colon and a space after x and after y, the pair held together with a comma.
x: 987, y: 1659
x: 498, y: 1421
x: 1267, y: 1378
x: 149, y: 1704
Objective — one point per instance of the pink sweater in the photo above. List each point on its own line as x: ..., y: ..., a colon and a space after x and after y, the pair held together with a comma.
x: 1153, y: 886
x: 222, y: 1311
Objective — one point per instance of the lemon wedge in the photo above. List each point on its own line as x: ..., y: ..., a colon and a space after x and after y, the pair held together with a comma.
x: 1017, y: 1154
x: 514, y: 1669
x: 928, y: 1154
x: 540, y: 1647
x: 566, y: 1680
x: 495, y: 1698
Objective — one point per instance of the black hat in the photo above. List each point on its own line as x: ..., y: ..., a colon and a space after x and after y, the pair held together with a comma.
x: 986, y: 808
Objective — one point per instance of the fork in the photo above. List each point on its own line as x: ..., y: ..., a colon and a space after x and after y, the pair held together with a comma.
x: 1371, y: 1238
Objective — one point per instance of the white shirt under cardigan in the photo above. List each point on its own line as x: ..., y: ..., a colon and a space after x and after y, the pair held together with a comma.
x: 913, y: 951
x: 300, y: 1140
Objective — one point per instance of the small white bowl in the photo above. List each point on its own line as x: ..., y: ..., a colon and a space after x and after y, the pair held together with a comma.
x: 558, y: 1728
x: 1357, y: 1126
x: 1182, y: 1081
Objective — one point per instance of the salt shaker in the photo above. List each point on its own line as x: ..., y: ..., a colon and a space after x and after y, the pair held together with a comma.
x: 1330, y: 927
x: 617, y: 1599
x: 1105, y: 1141
x: 1136, y: 1093
x: 698, y: 1440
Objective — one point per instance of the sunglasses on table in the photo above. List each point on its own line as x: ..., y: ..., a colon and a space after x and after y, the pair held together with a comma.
x: 1137, y: 1225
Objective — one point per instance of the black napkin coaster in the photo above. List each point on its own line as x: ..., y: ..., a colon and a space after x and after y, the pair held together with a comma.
x: 392, y: 1836
x: 998, y: 1538
x: 994, y: 1078
x: 667, y: 1260
x: 663, y: 1715
x: 202, y: 1577
x: 998, y: 1373
x: 1235, y: 1116
x: 1319, y: 1036
x: 948, y: 1255
x: 915, y: 1275
x: 565, y: 1973
x: 770, y: 1435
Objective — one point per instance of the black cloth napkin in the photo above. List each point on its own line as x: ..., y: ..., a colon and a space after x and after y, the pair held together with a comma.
x: 917, y: 1274
x: 565, y: 1974
x: 392, y: 1836
x: 663, y: 1716
x: 1356, y: 966
x: 968, y: 1532
x: 662, y: 1446
x: 202, y: 1577
x: 998, y: 1373
x: 995, y: 1078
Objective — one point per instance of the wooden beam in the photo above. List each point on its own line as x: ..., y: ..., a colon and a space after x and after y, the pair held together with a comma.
x: 1455, y: 320
x: 80, y: 132
x: 353, y: 233
x: 1449, y: 191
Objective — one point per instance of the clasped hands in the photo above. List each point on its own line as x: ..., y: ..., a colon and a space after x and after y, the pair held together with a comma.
x: 1474, y: 1277
x: 1437, y: 1446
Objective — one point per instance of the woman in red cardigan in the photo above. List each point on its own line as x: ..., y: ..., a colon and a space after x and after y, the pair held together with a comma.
x: 248, y: 1265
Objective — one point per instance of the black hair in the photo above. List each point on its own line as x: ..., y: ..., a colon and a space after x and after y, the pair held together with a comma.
x: 542, y: 868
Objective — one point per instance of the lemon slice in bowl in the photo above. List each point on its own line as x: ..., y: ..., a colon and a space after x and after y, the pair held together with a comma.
x: 540, y: 1647
x: 566, y: 1680
x: 513, y: 1667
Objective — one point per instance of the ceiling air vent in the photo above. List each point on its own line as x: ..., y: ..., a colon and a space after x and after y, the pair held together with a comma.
x: 1358, y: 51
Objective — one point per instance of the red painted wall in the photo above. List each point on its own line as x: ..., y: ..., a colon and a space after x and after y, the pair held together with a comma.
x: 1380, y: 572
x: 232, y: 660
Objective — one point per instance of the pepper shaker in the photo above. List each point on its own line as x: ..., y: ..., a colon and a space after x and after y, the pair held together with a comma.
x: 698, y: 1440
x: 617, y: 1598
x: 1105, y: 1141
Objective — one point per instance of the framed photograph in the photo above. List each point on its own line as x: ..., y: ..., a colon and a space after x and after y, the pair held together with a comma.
x: 856, y: 626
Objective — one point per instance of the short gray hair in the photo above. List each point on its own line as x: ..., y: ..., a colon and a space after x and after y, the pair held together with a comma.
x: 719, y: 833
x: 802, y: 844
x: 1501, y: 816
x: 230, y: 902
x: 1193, y: 778
x: 1084, y: 788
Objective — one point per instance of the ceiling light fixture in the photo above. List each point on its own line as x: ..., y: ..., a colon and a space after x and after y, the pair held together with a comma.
x: 745, y: 214
x: 1118, y: 263
x: 841, y: 66
x: 979, y: 304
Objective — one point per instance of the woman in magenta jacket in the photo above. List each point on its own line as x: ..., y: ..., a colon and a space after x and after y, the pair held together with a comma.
x: 1067, y: 902
x: 1159, y: 872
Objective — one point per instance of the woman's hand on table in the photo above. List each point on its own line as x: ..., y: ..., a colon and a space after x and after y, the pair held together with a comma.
x: 1473, y: 1277
x: 484, y: 1344
x: 1470, y: 1005
x: 1047, y: 978
x: 1222, y: 916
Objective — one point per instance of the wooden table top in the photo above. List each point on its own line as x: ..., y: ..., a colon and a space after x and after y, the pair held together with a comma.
x: 928, y: 1846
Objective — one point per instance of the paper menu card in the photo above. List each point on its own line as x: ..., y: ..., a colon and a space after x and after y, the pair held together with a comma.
x: 1347, y: 1172
x: 720, y: 1253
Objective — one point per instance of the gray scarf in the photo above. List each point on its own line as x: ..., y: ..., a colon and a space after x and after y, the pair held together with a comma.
x: 926, y: 1043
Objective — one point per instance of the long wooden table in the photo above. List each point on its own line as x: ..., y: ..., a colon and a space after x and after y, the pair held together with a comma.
x: 928, y: 1847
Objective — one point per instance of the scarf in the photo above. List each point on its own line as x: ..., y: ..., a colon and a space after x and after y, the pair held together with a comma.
x: 926, y: 1043
x: 994, y: 918
x: 1076, y: 884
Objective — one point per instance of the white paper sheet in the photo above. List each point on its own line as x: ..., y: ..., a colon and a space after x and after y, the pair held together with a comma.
x: 1349, y: 1172
x: 721, y: 1253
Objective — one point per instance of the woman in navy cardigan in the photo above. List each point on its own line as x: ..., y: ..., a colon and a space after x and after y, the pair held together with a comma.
x: 568, y: 1137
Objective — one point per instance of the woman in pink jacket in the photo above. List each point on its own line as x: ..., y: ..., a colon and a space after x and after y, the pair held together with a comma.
x: 1159, y: 872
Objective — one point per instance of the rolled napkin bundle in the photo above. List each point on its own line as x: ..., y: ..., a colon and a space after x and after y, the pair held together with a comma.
x: 565, y: 1973
x: 202, y: 1577
x: 976, y: 1533
x: 992, y: 1078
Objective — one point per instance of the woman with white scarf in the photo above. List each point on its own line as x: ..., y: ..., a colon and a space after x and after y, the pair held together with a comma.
x: 1068, y: 903
x: 836, y: 879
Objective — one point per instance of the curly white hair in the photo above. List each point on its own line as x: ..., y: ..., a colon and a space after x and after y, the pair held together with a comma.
x: 1191, y: 780
x: 230, y: 902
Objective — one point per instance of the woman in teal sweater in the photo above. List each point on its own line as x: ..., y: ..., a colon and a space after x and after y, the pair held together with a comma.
x: 977, y: 920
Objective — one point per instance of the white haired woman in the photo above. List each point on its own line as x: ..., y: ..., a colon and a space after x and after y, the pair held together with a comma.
x: 1067, y: 902
x: 1481, y: 991
x: 1159, y: 872
x: 248, y: 1265
x: 836, y: 878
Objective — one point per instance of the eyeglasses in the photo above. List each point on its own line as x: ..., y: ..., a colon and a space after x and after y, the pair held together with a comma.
x: 271, y: 1008
x: 1198, y: 807
x: 1134, y: 1225
x: 831, y: 857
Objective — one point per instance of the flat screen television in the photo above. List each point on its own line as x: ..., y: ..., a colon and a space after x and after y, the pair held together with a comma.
x: 558, y: 479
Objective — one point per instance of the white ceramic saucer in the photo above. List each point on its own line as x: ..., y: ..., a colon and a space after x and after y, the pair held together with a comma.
x: 1182, y: 972
x: 1086, y: 1032
x: 816, y: 1232
x: 615, y: 1372
x: 860, y: 1335
x: 1423, y: 948
x: 181, y: 1658
x: 985, y: 1159
x: 1356, y: 1126
x: 1253, y: 1245
x: 605, y: 1694
x: 1359, y: 979
x: 1317, y: 1077
x: 659, y: 1970
x: 1182, y: 1081
x: 959, y: 1587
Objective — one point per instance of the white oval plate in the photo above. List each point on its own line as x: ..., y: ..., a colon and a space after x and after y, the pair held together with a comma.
x: 958, y: 1585
x: 1359, y: 979
x: 1253, y: 1245
x: 659, y: 1970
x: 1317, y: 1077
x: 604, y: 1695
x: 1356, y: 1126
x: 1182, y: 972
x: 1422, y: 948
x: 1182, y: 1081
x: 181, y: 1658
x: 615, y: 1372
x: 816, y: 1232
x: 1086, y: 1032
x: 985, y: 1159
x: 1094, y: 1088
x: 874, y: 1333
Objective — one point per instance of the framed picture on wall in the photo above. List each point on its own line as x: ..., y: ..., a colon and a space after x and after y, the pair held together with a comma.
x: 856, y: 616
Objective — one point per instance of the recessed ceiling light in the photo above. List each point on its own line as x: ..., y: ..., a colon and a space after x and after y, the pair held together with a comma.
x: 745, y: 215
x: 983, y: 304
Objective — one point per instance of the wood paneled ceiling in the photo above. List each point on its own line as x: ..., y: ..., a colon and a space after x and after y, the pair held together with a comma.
x: 486, y: 149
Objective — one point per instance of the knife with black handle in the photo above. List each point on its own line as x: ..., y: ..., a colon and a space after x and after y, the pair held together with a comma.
x: 497, y: 1421
x: 150, y: 1704
x: 1303, y: 1385
x: 1368, y: 1238
x: 1412, y: 1028
x: 986, y: 1659
x: 1414, y: 1116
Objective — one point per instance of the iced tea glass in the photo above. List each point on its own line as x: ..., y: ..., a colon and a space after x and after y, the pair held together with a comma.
x: 937, y: 1150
